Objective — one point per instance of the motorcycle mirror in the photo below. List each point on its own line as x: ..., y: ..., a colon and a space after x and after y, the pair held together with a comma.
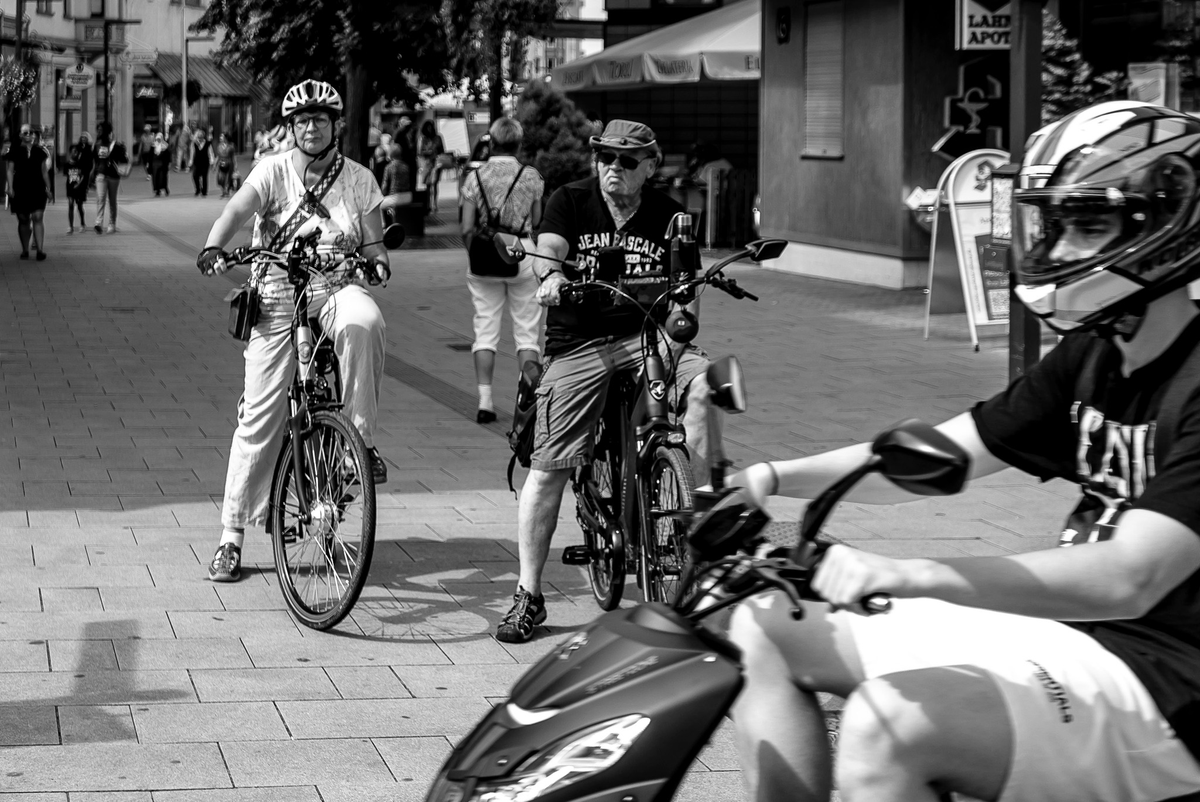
x: 922, y: 460
x: 724, y: 527
x: 393, y: 236
x: 727, y: 384
x: 764, y: 249
x: 509, y: 247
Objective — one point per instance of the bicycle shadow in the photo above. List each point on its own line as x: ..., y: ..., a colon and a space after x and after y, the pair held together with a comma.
x: 456, y: 592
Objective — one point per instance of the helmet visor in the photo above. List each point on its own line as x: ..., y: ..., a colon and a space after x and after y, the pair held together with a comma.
x: 1062, y: 233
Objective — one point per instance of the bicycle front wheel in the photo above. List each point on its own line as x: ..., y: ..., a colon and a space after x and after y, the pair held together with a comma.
x: 597, y: 507
x: 323, y: 552
x: 666, y: 498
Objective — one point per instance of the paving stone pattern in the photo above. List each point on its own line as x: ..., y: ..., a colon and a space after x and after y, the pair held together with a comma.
x: 125, y: 675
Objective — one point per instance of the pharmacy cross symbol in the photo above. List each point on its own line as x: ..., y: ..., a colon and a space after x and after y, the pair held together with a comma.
x: 976, y: 117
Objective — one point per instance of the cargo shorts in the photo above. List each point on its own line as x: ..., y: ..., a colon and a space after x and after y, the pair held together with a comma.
x: 571, y: 395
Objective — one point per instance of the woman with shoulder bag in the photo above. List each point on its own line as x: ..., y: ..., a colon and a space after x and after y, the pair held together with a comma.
x: 502, y: 195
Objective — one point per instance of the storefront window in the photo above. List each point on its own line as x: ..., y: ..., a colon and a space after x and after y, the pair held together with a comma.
x: 44, y: 7
x: 97, y: 8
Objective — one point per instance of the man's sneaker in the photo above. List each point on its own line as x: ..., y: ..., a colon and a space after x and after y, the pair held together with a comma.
x: 226, y: 564
x: 111, y: 229
x: 378, y: 466
x: 527, y: 612
x: 99, y: 229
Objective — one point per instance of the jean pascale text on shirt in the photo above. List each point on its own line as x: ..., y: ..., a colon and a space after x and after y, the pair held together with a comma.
x: 642, y: 254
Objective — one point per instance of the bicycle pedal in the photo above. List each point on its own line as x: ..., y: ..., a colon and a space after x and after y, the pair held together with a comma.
x: 576, y: 555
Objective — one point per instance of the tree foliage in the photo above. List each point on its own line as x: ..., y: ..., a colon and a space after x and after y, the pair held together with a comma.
x: 483, y: 35
x: 556, y: 135
x: 369, y: 49
x: 1068, y: 81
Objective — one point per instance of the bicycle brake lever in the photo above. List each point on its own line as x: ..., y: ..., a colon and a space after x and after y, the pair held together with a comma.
x: 772, y: 577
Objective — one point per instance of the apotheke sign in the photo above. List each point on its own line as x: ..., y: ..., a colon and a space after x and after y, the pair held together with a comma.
x: 79, y: 77
x: 983, y: 25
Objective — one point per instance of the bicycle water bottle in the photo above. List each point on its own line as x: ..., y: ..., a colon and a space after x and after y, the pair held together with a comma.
x: 684, y: 252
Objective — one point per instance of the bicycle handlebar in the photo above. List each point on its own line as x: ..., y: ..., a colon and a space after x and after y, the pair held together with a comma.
x: 314, y: 261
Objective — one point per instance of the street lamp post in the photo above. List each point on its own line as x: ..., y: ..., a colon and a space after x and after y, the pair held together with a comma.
x: 108, y: 23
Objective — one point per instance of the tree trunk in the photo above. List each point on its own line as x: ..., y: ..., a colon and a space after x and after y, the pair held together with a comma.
x: 358, y: 112
x: 496, y: 80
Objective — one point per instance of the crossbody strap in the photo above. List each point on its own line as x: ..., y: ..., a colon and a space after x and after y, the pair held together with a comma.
x: 310, y: 205
x: 495, y: 221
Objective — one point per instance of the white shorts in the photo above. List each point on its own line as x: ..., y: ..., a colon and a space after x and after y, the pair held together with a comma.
x: 1084, y: 727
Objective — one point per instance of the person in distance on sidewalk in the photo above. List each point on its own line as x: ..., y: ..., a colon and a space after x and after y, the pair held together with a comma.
x: 29, y: 189
x: 348, y: 219
x: 109, y: 158
x: 77, y: 168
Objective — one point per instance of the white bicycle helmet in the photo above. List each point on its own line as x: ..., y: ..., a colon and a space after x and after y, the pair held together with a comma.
x: 1134, y: 164
x: 310, y: 95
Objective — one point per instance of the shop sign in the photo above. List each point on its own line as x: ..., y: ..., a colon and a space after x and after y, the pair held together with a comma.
x: 79, y: 77
x: 139, y: 57
x: 70, y: 104
x: 479, y: 117
x: 142, y: 91
x: 983, y: 25
x: 1154, y: 82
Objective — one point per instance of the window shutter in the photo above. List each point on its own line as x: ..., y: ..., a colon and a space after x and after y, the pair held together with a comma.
x: 823, y: 79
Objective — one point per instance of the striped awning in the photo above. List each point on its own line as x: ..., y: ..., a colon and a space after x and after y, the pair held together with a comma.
x: 214, y: 80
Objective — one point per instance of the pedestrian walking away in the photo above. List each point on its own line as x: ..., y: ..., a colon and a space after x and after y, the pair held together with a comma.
x: 429, y: 147
x: 160, y: 165
x: 78, y: 168
x: 346, y: 217
x: 145, y: 150
x: 1056, y: 675
x: 110, y: 161
x: 183, y: 149
x: 396, y: 185
x: 502, y: 195
x: 202, y: 162
x: 27, y: 168
x: 226, y: 164
x: 589, y: 340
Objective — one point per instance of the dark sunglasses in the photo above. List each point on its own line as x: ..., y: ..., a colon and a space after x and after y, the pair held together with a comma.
x: 627, y: 162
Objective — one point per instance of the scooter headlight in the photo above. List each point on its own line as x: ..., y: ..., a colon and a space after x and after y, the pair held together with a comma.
x: 579, y: 755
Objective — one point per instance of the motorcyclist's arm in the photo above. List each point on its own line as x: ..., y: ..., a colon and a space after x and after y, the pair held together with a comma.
x: 1122, y: 578
x: 806, y: 477
x: 244, y: 204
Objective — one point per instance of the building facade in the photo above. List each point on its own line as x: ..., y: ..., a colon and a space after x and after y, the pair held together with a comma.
x: 66, y: 40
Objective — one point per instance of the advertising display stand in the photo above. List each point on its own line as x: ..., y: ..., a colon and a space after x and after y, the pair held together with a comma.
x: 976, y: 281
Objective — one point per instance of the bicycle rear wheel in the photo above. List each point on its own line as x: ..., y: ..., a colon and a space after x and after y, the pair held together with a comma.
x: 597, y: 507
x: 666, y: 495
x: 322, y: 563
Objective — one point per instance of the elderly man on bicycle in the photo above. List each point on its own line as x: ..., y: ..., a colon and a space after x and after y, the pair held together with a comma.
x: 310, y: 188
x: 1059, y: 675
x: 588, y: 341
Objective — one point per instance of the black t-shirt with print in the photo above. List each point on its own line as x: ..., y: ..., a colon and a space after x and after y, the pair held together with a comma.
x: 577, y: 212
x: 1106, y: 443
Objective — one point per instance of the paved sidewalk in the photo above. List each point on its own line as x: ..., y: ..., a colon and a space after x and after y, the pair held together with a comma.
x: 125, y: 675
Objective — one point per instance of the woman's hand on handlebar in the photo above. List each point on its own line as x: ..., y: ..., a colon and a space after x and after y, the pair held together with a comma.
x: 371, y: 272
x: 846, y: 577
x: 550, y: 292
x: 213, y: 261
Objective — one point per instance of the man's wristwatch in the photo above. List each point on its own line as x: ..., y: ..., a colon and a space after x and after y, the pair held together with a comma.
x: 549, y: 273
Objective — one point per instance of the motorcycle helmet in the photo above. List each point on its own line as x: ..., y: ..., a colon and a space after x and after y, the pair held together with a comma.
x: 312, y: 96
x: 1106, y: 217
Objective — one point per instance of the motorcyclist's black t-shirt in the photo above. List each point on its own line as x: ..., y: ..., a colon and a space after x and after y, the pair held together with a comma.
x: 1105, y: 442
x: 577, y: 212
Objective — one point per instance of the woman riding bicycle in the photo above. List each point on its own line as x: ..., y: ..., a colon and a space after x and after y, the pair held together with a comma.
x: 309, y: 188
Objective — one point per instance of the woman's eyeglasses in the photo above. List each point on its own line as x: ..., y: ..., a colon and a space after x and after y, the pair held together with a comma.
x: 319, y: 120
x: 627, y: 162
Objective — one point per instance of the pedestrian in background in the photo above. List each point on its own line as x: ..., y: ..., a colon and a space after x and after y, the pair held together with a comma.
x: 226, y: 159
x: 183, y: 148
x: 429, y: 147
x: 160, y: 165
x: 396, y: 185
x: 77, y: 170
x: 29, y: 188
x: 145, y: 149
x: 512, y: 193
x: 381, y: 156
x: 47, y: 142
x: 110, y: 161
x: 202, y: 161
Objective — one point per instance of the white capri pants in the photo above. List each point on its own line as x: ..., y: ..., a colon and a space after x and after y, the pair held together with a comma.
x: 489, y: 296
x: 351, y: 317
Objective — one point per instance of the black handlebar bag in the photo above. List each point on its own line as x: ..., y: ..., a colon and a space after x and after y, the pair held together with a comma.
x: 484, y: 260
x: 244, y: 301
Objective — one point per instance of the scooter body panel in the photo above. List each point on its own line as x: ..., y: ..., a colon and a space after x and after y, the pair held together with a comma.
x: 645, y: 660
